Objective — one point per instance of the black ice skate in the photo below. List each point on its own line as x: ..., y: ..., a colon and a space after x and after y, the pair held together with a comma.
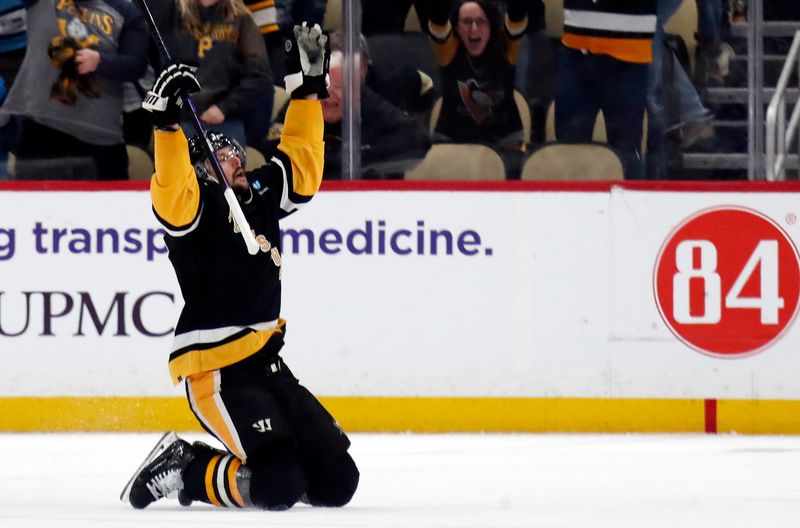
x: 160, y: 474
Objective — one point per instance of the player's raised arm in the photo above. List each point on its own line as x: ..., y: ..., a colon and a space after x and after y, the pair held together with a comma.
x: 173, y: 188
x: 295, y: 172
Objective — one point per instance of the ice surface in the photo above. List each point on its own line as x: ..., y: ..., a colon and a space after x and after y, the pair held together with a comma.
x: 441, y: 481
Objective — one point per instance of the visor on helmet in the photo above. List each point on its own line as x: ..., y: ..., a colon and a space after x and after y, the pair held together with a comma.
x: 198, y: 156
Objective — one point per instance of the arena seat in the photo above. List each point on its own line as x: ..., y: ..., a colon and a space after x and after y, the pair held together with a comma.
x: 140, y: 164
x: 459, y: 161
x: 435, y: 111
x: 77, y: 168
x: 255, y: 159
x: 573, y: 162
x: 524, y: 115
x: 281, y: 98
x: 412, y: 21
x: 598, y: 132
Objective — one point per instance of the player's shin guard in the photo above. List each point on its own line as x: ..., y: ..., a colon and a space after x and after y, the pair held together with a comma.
x: 271, y: 480
x: 216, y: 477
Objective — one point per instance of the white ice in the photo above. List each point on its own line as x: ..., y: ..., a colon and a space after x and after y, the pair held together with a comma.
x: 441, y: 481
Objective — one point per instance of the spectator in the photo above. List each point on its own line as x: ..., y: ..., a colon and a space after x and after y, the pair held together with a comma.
x: 291, y: 12
x: 535, y: 42
x: 12, y: 51
x: 223, y: 39
x: 256, y: 122
x: 389, y: 16
x: 12, y: 40
x: 409, y: 89
x: 672, y: 100
x: 275, y: 20
x: 477, y: 72
x: 391, y: 142
x: 6, y: 136
x: 136, y: 128
x: 713, y: 54
x: 603, y: 64
x: 68, y: 93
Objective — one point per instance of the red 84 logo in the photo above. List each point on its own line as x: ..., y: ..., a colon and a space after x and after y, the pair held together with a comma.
x: 727, y: 282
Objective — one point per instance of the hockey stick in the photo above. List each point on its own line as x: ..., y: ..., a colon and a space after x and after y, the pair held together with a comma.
x: 236, y: 210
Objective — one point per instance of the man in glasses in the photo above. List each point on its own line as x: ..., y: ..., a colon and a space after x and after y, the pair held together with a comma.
x: 281, y: 445
x: 231, y: 157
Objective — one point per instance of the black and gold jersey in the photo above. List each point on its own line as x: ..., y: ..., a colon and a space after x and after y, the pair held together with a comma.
x: 623, y: 29
x: 232, y: 299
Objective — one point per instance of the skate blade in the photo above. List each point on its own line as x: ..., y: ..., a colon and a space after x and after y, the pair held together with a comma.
x: 162, y: 444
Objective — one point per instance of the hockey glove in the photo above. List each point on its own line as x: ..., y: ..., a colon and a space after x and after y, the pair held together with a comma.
x: 308, y: 58
x: 164, y: 100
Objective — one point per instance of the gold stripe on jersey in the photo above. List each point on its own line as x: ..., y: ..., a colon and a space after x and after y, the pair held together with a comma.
x: 210, y: 356
x: 638, y: 51
x: 301, y: 141
x: 265, y: 15
x: 211, y: 337
x: 173, y: 188
x: 269, y: 28
x: 209, y: 480
x: 203, y: 392
x: 255, y: 6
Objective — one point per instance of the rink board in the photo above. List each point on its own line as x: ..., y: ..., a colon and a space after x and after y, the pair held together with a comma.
x: 421, y: 307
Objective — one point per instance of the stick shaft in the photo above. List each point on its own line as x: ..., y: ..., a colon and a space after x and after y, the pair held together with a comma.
x: 236, y: 210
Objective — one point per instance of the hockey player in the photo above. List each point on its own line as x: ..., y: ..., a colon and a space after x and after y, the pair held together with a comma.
x: 282, y: 445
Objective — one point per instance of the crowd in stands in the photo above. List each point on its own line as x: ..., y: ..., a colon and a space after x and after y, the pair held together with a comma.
x: 513, y: 75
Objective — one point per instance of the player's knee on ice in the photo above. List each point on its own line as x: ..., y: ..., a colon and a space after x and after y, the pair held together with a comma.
x: 277, y: 480
x: 333, y: 482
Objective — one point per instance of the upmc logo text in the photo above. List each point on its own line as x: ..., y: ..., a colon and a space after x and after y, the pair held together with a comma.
x: 726, y: 282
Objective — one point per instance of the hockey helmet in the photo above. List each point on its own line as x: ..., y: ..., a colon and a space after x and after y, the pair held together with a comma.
x: 198, y: 156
